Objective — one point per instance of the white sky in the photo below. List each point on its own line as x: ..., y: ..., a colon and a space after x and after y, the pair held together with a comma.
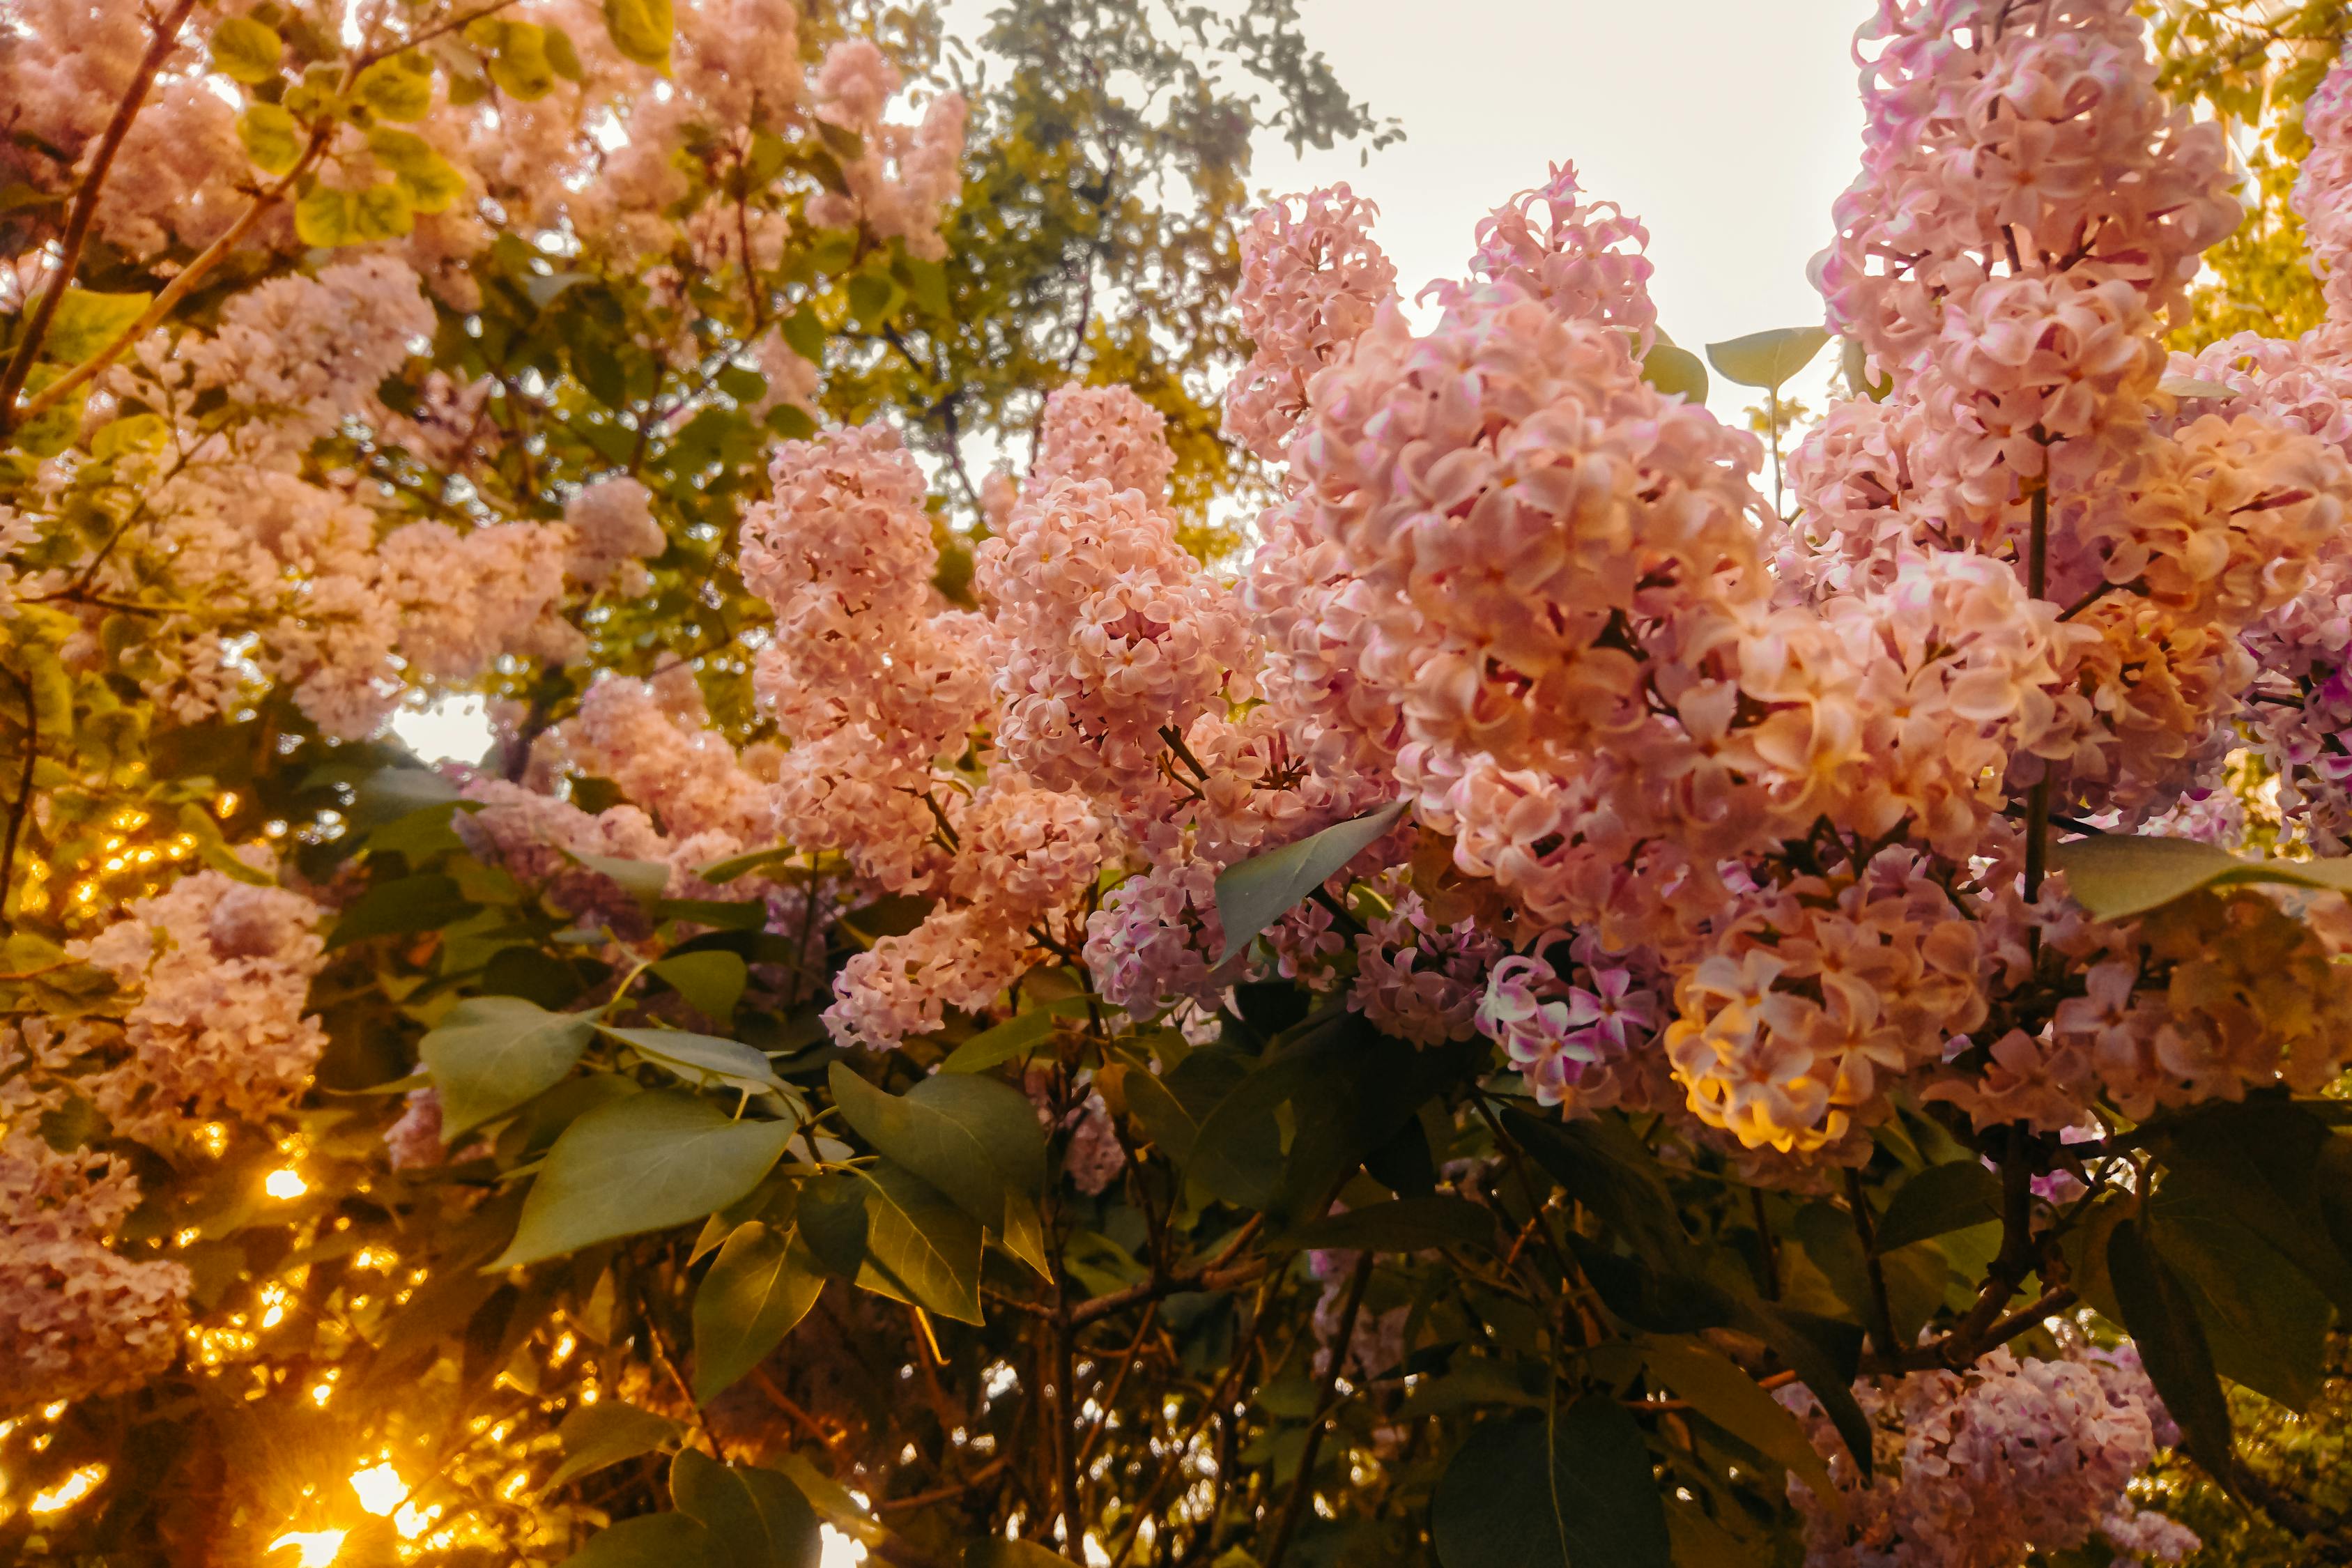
x: 1727, y: 126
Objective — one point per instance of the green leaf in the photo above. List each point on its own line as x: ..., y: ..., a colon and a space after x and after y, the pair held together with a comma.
x: 643, y: 880
x: 974, y: 1139
x: 86, y: 322
x: 641, y: 30
x: 2116, y: 875
x: 762, y: 1284
x: 52, y: 690
x: 647, y: 1163
x: 402, y: 907
x: 490, y: 1054
x: 718, y: 873
x: 920, y: 1247
x: 2266, y: 1162
x: 647, y: 1540
x: 1572, y: 1490
x: 563, y: 54
x: 323, y: 218
x: 1259, y: 891
x: 520, y: 67
x: 1855, y: 361
x: 2265, y: 1322
x: 1725, y: 1395
x: 2175, y: 385
x: 1015, y: 1036
x: 606, y: 1433
x: 1806, y: 1343
x: 381, y: 212
x: 2162, y: 1322
x: 1938, y: 1201
x: 1608, y: 1170
x: 1675, y: 370
x: 757, y: 1518
x: 712, y: 981
x: 703, y: 1060
x: 1406, y: 1225
x: 1767, y: 359
x: 397, y: 89
x: 246, y: 50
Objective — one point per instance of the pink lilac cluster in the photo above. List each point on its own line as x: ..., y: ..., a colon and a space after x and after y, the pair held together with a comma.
x: 1376, y: 1344
x: 76, y: 1317
x: 1108, y: 634
x: 1023, y: 858
x: 543, y: 842
x: 1105, y: 433
x: 1583, y: 260
x: 311, y: 352
x: 1312, y: 279
x: 613, y: 531
x: 655, y: 740
x: 1092, y: 1155
x: 1815, y: 999
x: 1416, y: 979
x: 2320, y: 189
x: 2201, y: 999
x: 903, y: 177
x: 221, y: 971
x: 1986, y: 1468
x: 1573, y: 1020
x: 870, y: 684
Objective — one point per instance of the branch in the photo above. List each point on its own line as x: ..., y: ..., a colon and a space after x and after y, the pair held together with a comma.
x: 1882, y: 1311
x: 1325, y: 1407
x: 22, y: 807
x: 85, y: 208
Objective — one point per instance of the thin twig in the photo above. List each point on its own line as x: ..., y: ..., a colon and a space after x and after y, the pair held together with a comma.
x: 85, y: 208
x: 1325, y: 1407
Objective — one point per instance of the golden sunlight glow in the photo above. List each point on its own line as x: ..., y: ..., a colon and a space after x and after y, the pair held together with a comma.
x: 212, y: 1138
x: 52, y: 1410
x: 70, y: 1491
x: 374, y: 1258
x: 318, y: 1547
x: 285, y: 1183
x: 226, y: 804
x: 380, y: 1487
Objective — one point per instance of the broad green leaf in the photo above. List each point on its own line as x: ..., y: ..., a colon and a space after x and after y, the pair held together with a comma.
x: 86, y: 322
x: 1571, y: 1489
x: 246, y: 50
x: 973, y: 1139
x: 520, y: 66
x: 1767, y: 359
x: 1014, y: 1037
x: 402, y: 907
x: 718, y: 873
x: 757, y: 1518
x: 761, y: 1285
x: 1727, y: 1396
x: 381, y: 212
x: 641, y: 30
x: 269, y: 137
x: 1609, y: 1171
x: 490, y: 1054
x: 1259, y: 891
x: 2162, y: 1322
x: 1811, y: 1348
x: 643, y: 880
x: 1675, y: 370
x: 2173, y: 385
x: 649, y: 1541
x: 323, y: 218
x: 702, y: 1058
x: 919, y: 1246
x: 647, y: 1163
x: 713, y: 981
x: 833, y: 1501
x: 399, y: 88
x: 1407, y: 1224
x: 606, y: 1433
x: 2266, y: 1162
x: 1939, y: 1200
x: 2265, y: 1322
x: 2117, y: 875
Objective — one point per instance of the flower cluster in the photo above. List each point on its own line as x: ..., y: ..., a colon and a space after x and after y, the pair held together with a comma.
x: 221, y: 969
x: 1982, y: 1468
x: 1310, y: 281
